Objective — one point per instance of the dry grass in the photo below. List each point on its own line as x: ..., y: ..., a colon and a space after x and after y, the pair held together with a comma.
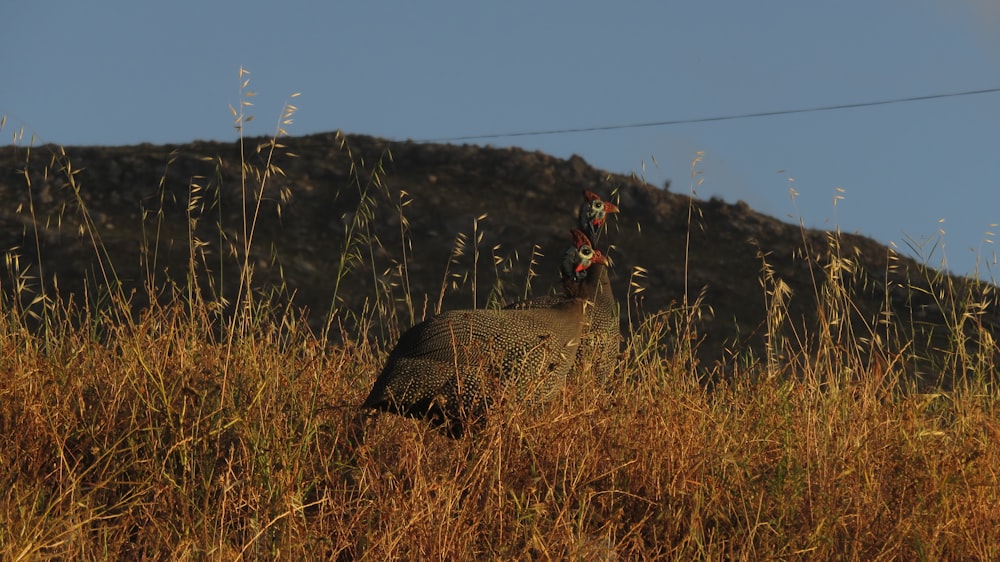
x: 207, y: 428
x: 138, y: 446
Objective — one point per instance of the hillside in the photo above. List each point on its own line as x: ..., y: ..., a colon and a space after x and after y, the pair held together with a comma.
x: 397, y: 208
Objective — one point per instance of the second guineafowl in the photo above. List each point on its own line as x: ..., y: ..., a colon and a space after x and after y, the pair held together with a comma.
x: 451, y: 368
x: 593, y: 214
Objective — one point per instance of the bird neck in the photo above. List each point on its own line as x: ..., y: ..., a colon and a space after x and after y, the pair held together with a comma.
x: 595, y: 283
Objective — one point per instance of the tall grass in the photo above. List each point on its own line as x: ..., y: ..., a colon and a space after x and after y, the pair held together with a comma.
x: 212, y: 426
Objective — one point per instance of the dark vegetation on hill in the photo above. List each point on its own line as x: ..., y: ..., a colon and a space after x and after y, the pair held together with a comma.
x: 399, y: 210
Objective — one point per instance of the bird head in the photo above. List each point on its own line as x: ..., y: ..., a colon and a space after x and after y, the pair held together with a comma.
x: 594, y: 212
x: 580, y: 257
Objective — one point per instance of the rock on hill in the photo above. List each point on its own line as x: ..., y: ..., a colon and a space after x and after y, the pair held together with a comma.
x: 384, y: 217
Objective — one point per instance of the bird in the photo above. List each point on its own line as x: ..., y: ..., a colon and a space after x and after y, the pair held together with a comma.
x: 452, y: 368
x: 593, y: 213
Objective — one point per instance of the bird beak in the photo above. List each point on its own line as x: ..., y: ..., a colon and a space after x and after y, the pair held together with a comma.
x: 610, y: 207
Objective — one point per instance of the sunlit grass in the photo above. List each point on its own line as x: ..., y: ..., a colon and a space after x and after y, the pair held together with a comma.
x: 214, y: 426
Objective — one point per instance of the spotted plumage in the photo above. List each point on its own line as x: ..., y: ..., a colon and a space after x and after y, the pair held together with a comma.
x: 600, y: 337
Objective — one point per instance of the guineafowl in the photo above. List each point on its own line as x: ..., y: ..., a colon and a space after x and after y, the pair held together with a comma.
x: 451, y: 368
x: 593, y: 213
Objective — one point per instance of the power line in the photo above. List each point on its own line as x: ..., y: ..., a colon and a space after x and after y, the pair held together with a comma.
x: 716, y: 118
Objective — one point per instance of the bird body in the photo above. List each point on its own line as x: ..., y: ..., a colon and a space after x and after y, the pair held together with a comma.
x: 451, y: 367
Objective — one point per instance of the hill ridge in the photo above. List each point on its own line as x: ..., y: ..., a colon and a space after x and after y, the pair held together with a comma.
x: 324, y: 185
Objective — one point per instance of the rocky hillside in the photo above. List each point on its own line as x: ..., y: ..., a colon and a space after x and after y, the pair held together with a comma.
x: 404, y: 225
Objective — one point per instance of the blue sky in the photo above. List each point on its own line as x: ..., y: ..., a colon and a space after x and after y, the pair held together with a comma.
x: 116, y: 73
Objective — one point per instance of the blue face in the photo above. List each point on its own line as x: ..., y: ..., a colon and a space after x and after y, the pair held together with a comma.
x: 593, y: 213
x: 597, y: 209
x: 577, y: 261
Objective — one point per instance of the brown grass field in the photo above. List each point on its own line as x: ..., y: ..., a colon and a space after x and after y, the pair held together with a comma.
x: 214, y: 427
